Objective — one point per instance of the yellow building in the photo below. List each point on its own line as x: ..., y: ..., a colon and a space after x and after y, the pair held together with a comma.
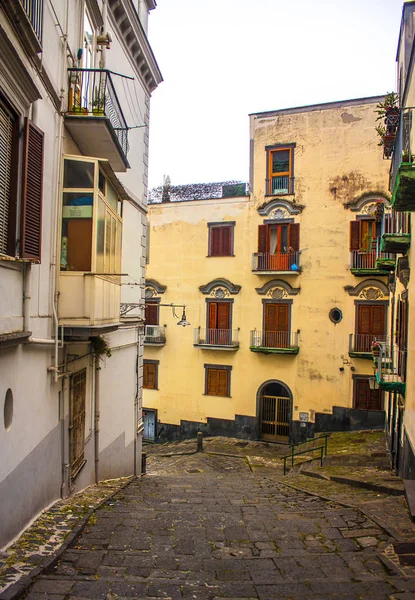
x: 285, y: 287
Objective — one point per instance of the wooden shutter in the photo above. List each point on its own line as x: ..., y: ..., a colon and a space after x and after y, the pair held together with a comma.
x: 149, y: 376
x: 375, y: 399
x: 364, y: 319
x: 295, y: 236
x: 354, y: 235
x: 223, y: 382
x: 213, y: 315
x: 151, y: 314
x: 214, y: 241
x: 378, y: 320
x: 282, y: 311
x: 31, y: 222
x: 270, y: 317
x: 262, y: 238
x: 225, y: 249
x: 9, y: 158
x: 223, y: 321
x: 361, y: 394
x: 212, y: 382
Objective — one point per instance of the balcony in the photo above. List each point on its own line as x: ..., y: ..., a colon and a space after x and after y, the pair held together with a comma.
x: 95, y: 119
x: 264, y: 263
x: 391, y: 368
x: 402, y: 177
x: 216, y: 339
x: 280, y: 185
x: 396, y: 237
x: 274, y: 342
x: 27, y: 18
x: 155, y: 335
x: 360, y: 345
x: 370, y: 262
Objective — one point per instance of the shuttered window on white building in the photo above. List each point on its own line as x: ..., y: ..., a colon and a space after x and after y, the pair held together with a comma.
x: 6, y: 151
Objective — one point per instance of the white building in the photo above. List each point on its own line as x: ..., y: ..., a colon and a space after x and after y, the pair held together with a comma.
x: 76, y: 78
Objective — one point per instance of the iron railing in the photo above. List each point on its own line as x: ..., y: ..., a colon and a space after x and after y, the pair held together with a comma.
x: 34, y: 12
x: 322, y: 449
x: 92, y: 93
x: 216, y: 337
x: 402, y: 151
x: 360, y: 259
x: 281, y: 261
x: 362, y: 342
x: 279, y: 185
x: 274, y: 339
x: 396, y: 222
x: 155, y: 334
x: 390, y: 363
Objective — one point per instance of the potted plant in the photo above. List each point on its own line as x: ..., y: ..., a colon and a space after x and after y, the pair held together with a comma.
x: 376, y: 348
x: 388, y: 111
x: 98, y: 102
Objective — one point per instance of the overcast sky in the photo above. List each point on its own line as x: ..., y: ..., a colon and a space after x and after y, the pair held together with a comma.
x: 224, y: 59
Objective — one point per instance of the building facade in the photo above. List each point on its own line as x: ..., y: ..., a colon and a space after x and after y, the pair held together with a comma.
x: 75, y: 85
x: 285, y: 287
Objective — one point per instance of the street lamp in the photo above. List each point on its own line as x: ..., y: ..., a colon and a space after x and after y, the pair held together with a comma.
x: 127, y: 306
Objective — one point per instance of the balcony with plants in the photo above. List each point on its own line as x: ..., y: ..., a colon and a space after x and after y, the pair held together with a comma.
x: 95, y: 118
x: 216, y: 339
x: 361, y: 345
x: 274, y: 342
x: 402, y: 173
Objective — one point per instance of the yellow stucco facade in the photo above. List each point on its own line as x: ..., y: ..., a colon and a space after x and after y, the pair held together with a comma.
x: 336, y: 174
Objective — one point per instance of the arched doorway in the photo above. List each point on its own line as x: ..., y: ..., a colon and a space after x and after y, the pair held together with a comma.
x: 274, y: 410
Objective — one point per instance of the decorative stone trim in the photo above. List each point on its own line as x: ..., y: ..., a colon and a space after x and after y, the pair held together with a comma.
x: 365, y: 203
x: 279, y: 209
x: 153, y: 288
x: 369, y: 289
x: 220, y: 288
x: 277, y: 289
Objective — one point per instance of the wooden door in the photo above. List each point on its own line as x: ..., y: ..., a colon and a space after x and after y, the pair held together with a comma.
x: 276, y: 325
x: 77, y: 422
x: 370, y: 326
x: 365, y: 398
x: 151, y: 313
x: 219, y: 332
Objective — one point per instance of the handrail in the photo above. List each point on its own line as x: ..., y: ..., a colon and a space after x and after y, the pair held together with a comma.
x: 310, y: 440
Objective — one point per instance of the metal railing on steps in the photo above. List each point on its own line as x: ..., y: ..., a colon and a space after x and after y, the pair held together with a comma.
x: 294, y: 453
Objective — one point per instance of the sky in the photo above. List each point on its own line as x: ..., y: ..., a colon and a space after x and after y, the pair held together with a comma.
x: 224, y: 59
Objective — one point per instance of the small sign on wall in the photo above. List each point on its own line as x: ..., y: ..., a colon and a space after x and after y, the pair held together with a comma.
x: 303, y: 418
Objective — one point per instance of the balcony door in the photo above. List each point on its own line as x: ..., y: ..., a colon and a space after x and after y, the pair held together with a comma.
x: 277, y: 246
x: 276, y: 325
x: 370, y: 325
x: 364, y: 397
x: 219, y: 323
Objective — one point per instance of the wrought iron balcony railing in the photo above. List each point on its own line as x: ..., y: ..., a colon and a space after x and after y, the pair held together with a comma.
x: 281, y: 261
x: 34, y: 11
x: 366, y: 259
x: 92, y: 93
x: 155, y: 334
x: 362, y: 343
x: 279, y: 185
x: 216, y: 337
x: 274, y: 339
x: 396, y: 222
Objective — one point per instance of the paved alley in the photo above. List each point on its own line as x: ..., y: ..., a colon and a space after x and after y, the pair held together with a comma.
x: 207, y: 527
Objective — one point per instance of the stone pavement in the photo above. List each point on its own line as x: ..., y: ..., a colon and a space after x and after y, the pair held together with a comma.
x: 208, y: 526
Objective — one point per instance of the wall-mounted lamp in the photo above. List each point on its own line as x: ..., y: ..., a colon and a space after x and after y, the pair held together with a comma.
x: 126, y: 307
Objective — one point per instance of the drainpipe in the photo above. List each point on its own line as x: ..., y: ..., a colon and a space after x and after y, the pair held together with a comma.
x: 95, y: 366
x: 26, y: 296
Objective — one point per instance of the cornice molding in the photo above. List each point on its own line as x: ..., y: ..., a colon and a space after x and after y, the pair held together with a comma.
x: 134, y: 39
x: 268, y: 208
x: 277, y: 283
x: 367, y: 283
x: 157, y: 287
x: 224, y: 283
x: 359, y: 203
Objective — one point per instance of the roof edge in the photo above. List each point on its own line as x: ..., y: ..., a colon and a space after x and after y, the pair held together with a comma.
x: 320, y: 106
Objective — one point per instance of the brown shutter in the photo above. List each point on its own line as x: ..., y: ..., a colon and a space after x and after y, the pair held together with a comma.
x: 361, y: 394
x: 270, y: 317
x: 214, y: 241
x: 31, y: 221
x: 262, y: 238
x: 364, y: 319
x: 378, y: 320
x: 213, y: 315
x: 226, y: 241
x: 212, y: 382
x: 223, y: 320
x: 149, y: 376
x: 375, y: 399
x: 282, y: 317
x: 295, y: 236
x: 222, y: 382
x: 151, y: 314
x: 354, y: 235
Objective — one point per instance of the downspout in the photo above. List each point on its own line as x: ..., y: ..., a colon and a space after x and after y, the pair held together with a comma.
x: 96, y: 368
x: 26, y: 296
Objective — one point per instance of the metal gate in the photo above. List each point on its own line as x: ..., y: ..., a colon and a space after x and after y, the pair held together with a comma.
x: 275, y: 418
x: 77, y: 422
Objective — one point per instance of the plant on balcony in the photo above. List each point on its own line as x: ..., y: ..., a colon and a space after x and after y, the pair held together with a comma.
x: 366, y: 243
x: 406, y: 157
x: 375, y: 348
x: 388, y: 112
x: 100, y: 348
x: 98, y: 103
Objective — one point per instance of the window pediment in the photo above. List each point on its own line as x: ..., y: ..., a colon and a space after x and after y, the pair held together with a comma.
x: 153, y: 288
x: 277, y: 289
x: 279, y: 209
x: 220, y: 288
x: 369, y: 289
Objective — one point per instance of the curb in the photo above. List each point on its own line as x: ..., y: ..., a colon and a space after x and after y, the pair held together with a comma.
x: 375, y: 487
x: 15, y: 590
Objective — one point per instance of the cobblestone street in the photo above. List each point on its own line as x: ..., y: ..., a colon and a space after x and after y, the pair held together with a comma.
x: 209, y: 526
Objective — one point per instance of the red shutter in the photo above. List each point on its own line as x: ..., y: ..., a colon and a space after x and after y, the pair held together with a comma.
x: 354, y: 235
x: 151, y: 314
x: 214, y: 241
x: 295, y: 236
x: 31, y: 220
x: 262, y: 238
x: 223, y: 382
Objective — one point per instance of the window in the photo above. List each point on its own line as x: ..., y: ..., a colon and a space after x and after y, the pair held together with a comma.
x: 217, y: 380
x: 151, y: 313
x: 29, y: 243
x: 280, y: 170
x: 370, y: 325
x: 221, y: 239
x: 276, y: 332
x: 364, y: 397
x: 219, y: 323
x: 150, y: 374
x: 364, y: 234
x: 278, y: 246
x: 91, y: 219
